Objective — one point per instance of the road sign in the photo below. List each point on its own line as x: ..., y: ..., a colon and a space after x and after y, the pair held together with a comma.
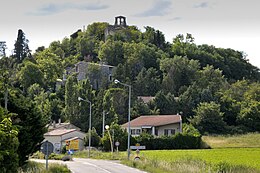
x: 117, y: 143
x: 137, y: 147
x: 47, y: 148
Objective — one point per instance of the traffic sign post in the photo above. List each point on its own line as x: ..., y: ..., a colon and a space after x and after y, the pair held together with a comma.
x: 117, y: 144
x: 137, y: 147
x: 47, y: 149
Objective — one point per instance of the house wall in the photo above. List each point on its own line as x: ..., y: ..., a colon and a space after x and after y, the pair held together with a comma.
x: 175, y: 126
x: 56, y: 141
x: 59, y: 141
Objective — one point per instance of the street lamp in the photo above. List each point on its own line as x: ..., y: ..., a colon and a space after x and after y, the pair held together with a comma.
x: 129, y: 106
x: 111, y: 143
x: 89, y: 128
x: 103, y: 124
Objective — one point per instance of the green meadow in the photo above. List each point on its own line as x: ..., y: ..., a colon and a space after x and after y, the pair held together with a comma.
x: 232, y: 154
x: 249, y: 157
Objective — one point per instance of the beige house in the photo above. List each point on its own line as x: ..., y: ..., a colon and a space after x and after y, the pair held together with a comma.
x: 58, y: 138
x: 156, y: 125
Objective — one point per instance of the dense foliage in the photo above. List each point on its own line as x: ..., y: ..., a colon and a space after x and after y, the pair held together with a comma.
x: 201, y: 82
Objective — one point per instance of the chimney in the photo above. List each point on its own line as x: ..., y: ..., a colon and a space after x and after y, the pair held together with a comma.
x: 59, y: 121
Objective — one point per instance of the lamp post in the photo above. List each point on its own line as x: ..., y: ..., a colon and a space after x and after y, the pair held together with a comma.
x: 111, y: 143
x: 129, y: 106
x: 103, y: 124
x: 89, y: 128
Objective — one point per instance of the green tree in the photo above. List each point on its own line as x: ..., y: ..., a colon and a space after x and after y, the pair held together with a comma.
x: 71, y: 99
x: 208, y: 118
x: 95, y: 138
x: 9, y: 144
x: 51, y: 66
x: 29, y: 121
x: 165, y: 103
x: 153, y: 36
x: 2, y: 49
x: 21, y: 47
x: 178, y: 72
x: 96, y: 30
x: 205, y: 88
x: 147, y: 82
x: 112, y: 52
x: 30, y: 74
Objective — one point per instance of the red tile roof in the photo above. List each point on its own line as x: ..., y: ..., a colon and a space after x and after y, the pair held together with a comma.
x: 154, y: 120
x: 59, y: 132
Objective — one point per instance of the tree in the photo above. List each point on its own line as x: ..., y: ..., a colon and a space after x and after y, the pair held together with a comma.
x: 208, y: 118
x: 95, y: 139
x: 183, y: 46
x: 112, y: 52
x: 71, y: 99
x: 30, y: 74
x: 153, y: 36
x: 147, y: 82
x: 178, y: 72
x: 249, y: 115
x: 97, y: 29
x: 2, y: 48
x: 9, y: 144
x: 165, y: 103
x: 205, y: 88
x: 29, y: 121
x: 51, y: 67
x: 21, y: 47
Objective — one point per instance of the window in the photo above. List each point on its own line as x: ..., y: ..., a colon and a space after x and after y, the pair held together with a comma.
x: 135, y: 131
x: 110, y: 78
x: 168, y: 132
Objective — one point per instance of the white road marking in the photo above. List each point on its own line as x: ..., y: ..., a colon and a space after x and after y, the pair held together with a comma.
x: 87, y: 163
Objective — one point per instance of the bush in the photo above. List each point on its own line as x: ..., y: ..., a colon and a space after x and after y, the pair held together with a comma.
x: 95, y: 139
x: 178, y: 141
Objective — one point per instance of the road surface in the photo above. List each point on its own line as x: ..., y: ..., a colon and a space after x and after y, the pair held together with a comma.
x: 94, y: 166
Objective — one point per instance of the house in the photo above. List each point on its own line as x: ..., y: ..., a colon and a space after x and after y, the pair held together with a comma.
x: 58, y: 138
x: 156, y: 125
x: 98, y: 74
x: 60, y: 125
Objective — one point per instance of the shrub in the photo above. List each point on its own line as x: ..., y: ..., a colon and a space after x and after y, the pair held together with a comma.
x: 178, y: 141
x: 95, y: 139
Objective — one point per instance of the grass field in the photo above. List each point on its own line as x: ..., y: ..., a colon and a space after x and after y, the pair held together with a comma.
x: 238, y: 154
x: 234, y: 156
x: 251, y: 140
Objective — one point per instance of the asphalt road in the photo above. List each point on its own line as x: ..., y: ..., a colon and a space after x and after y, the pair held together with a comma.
x: 95, y: 166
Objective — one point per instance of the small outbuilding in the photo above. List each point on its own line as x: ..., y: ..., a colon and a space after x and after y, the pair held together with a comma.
x: 58, y: 138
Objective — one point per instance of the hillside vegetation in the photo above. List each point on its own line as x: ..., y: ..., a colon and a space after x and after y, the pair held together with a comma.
x: 214, y: 89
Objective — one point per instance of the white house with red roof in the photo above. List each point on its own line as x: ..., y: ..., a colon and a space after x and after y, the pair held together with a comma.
x: 58, y: 137
x: 156, y: 125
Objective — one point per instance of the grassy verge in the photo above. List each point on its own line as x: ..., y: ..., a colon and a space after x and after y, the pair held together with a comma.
x: 251, y: 140
x: 34, y: 167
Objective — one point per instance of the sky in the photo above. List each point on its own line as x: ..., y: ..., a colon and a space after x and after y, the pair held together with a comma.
x: 223, y: 23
